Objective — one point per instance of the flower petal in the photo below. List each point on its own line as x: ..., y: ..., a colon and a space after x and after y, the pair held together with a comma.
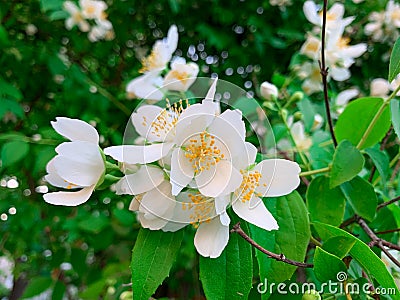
x: 211, y: 238
x: 83, y: 152
x: 144, y: 180
x: 143, y: 118
x: 69, y: 198
x: 256, y: 214
x: 133, y: 154
x: 241, y: 161
x: 279, y: 177
x: 219, y: 181
x: 53, y: 178
x: 75, y: 130
x: 182, y: 171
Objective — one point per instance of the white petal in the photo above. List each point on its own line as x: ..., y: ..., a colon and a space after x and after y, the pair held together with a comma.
x: 142, y: 120
x: 69, y: 198
x: 220, y: 181
x: 211, y: 92
x: 343, y: 97
x: 182, y: 171
x: 146, y: 179
x: 75, y: 130
x: 83, y: 152
x: 241, y: 161
x: 221, y: 203
x: 224, y: 219
x: 53, y: 178
x: 256, y: 214
x: 340, y: 74
x: 132, y: 154
x: 211, y: 238
x: 310, y: 11
x: 134, y: 205
x: 172, y: 38
x: 279, y: 177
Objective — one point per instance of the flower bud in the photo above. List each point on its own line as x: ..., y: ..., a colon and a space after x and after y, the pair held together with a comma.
x: 311, y: 295
x: 268, y: 91
x: 297, y: 96
x: 379, y: 87
x: 297, y: 116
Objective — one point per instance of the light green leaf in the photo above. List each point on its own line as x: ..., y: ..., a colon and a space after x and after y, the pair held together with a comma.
x: 380, y: 160
x: 47, y: 5
x: 347, y: 163
x: 339, y: 246
x: 228, y: 276
x: 37, y: 286
x: 361, y: 112
x: 325, y: 204
x: 8, y: 105
x: 308, y: 112
x: 152, y: 258
x: 395, y: 111
x: 371, y: 263
x: 394, y: 63
x: 13, y: 152
x: 247, y: 106
x: 361, y: 196
x: 291, y: 239
x: 327, y: 266
x: 58, y: 15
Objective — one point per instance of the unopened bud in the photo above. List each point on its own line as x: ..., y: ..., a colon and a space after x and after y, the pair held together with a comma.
x: 311, y: 295
x: 297, y: 96
x: 297, y: 116
x: 268, y: 91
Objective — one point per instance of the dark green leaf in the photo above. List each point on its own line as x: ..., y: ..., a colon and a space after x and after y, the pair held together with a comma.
x: 361, y: 196
x: 338, y: 246
x: 46, y: 5
x: 380, y: 160
x: 37, y: 286
x: 94, y: 224
x: 373, y: 265
x: 228, y: 276
x: 327, y: 266
x: 13, y: 152
x: 361, y: 112
x: 58, y: 291
x: 325, y: 204
x: 395, y: 111
x: 152, y: 258
x: 347, y: 163
x: 394, y: 63
x: 291, y: 239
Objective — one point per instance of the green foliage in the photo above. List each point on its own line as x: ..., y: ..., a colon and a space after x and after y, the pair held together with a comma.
x: 327, y: 266
x: 394, y: 63
x: 37, y: 286
x: 228, y: 276
x: 347, y: 163
x: 12, y: 152
x: 361, y: 112
x: 395, y: 113
x: 325, y: 204
x: 152, y: 258
x: 340, y: 246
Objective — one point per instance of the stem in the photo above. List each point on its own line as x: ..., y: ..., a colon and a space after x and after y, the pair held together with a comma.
x: 315, y: 241
x: 376, y: 118
x: 324, y: 74
x: 318, y: 171
x: 388, y: 231
x: 382, y: 205
x: 279, y: 257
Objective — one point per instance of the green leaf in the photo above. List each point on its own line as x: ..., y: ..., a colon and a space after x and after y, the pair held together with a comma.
x: 308, y: 112
x: 8, y: 105
x: 371, y: 263
x: 325, y: 204
x: 37, y: 286
x: 58, y: 15
x: 58, y: 291
x: 228, y: 276
x: 94, y: 224
x: 47, y: 5
x: 347, y: 163
x: 394, y: 63
x: 152, y: 258
x: 13, y: 152
x: 361, y: 196
x: 291, y: 239
x: 380, y: 160
x: 327, y: 266
x: 395, y: 110
x: 9, y: 90
x: 339, y: 246
x: 361, y: 112
x: 247, y: 106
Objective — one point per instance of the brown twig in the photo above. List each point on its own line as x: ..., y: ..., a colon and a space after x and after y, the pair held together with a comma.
x: 324, y: 74
x: 387, y: 231
x: 348, y: 222
x: 384, y: 204
x: 378, y: 242
x: 279, y: 257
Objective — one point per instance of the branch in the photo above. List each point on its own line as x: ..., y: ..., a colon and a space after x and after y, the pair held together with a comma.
x: 376, y: 241
x: 384, y: 204
x: 388, y: 231
x: 324, y: 74
x: 279, y: 257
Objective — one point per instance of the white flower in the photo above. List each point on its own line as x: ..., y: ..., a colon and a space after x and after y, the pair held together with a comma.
x: 161, y: 53
x: 311, y: 74
x: 181, y: 76
x: 343, y: 98
x: 384, y: 25
x: 302, y: 140
x: 76, y: 17
x: 100, y: 30
x: 268, y: 91
x: 78, y: 164
x: 311, y: 47
x: 147, y: 86
x: 334, y: 16
x: 379, y: 87
x: 6, y: 273
x: 318, y: 121
x: 93, y: 9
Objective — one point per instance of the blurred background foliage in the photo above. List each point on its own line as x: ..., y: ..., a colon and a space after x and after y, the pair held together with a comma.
x: 48, y: 71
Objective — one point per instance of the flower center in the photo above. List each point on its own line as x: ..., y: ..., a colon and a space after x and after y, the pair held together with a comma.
x: 250, y: 182
x: 201, y: 207
x: 151, y: 61
x: 343, y: 42
x: 181, y: 76
x: 90, y: 9
x: 70, y: 185
x: 77, y: 17
x: 202, y: 152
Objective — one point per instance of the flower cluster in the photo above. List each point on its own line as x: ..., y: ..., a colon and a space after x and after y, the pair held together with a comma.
x: 384, y: 26
x: 152, y: 85
x: 90, y: 17
x: 193, y: 165
x: 340, y: 56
